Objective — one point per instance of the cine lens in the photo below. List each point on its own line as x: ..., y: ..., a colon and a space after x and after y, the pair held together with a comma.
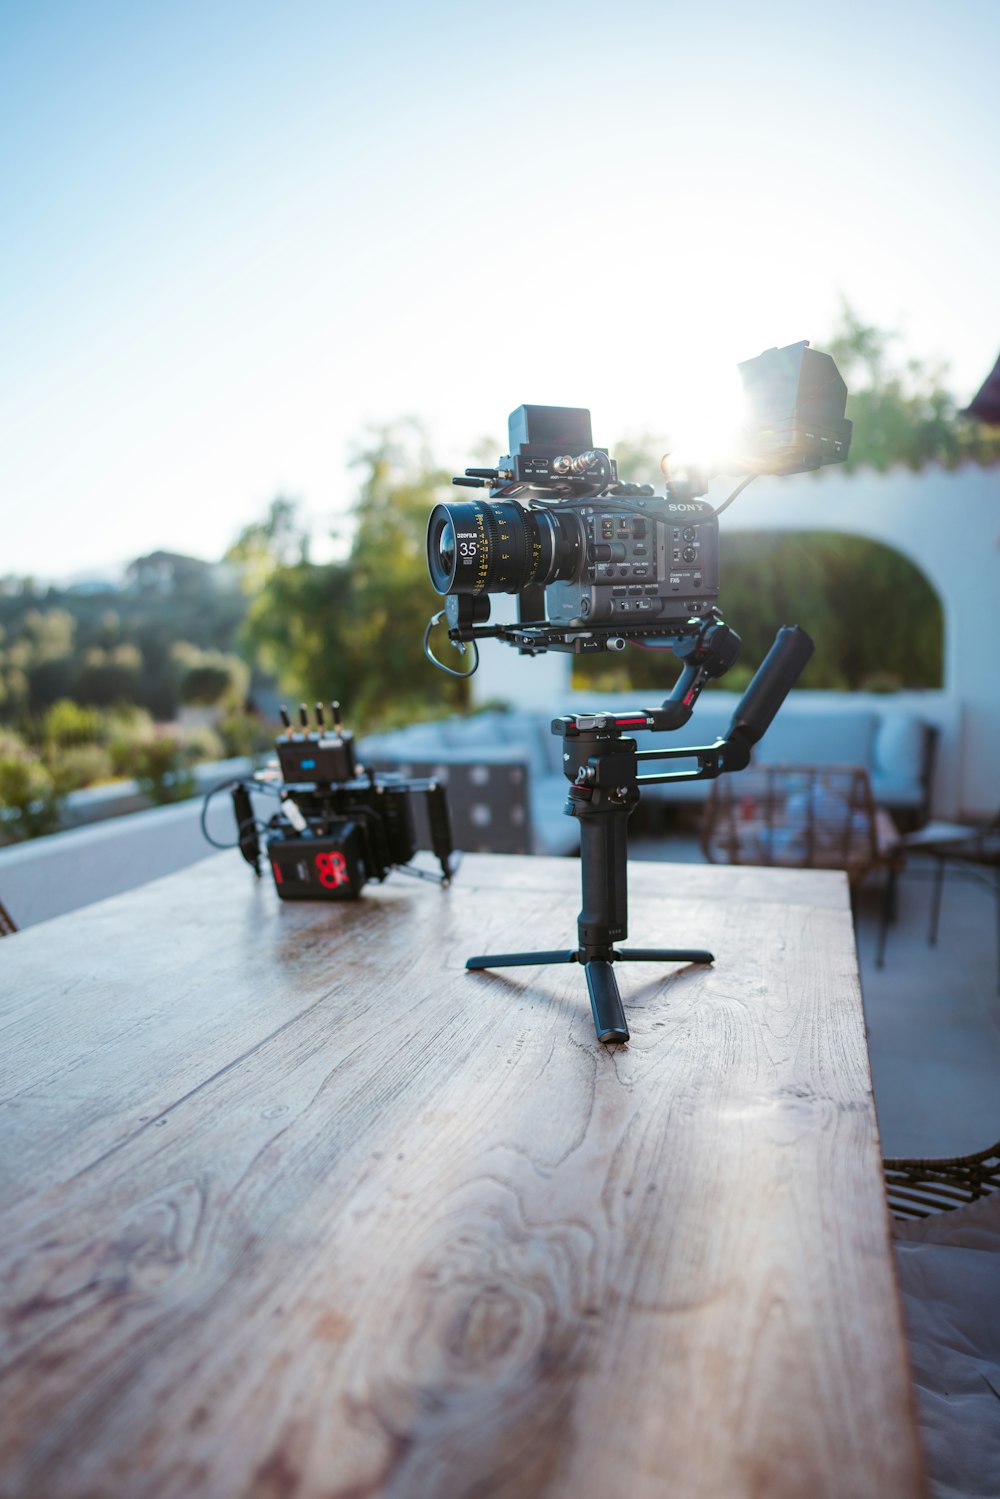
x: 498, y: 547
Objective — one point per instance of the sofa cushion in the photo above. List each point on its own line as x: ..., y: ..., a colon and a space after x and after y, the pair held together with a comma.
x: 530, y: 731
x: 555, y: 832
x: 479, y: 731
x: 832, y: 738
x: 899, y: 747
x: 418, y: 740
x: 898, y: 794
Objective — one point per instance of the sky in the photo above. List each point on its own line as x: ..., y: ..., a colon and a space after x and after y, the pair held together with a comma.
x: 236, y: 236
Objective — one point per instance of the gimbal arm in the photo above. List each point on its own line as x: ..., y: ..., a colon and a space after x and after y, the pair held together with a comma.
x: 708, y: 655
x: 771, y: 683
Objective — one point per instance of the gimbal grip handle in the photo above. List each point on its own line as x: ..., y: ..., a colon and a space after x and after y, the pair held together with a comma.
x: 771, y: 684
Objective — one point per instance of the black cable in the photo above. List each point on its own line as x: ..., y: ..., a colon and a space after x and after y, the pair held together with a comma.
x: 620, y: 504
x: 461, y: 675
x: 737, y: 491
x: 228, y: 786
x: 214, y: 791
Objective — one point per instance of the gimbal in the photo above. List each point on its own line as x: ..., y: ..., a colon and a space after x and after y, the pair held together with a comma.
x: 602, y: 766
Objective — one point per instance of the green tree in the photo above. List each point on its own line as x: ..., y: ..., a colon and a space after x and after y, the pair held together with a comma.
x: 67, y: 725
x: 815, y: 578
x: 354, y: 629
x: 276, y: 541
x: 209, y: 678
x: 110, y: 676
x: 902, y: 412
x: 29, y: 798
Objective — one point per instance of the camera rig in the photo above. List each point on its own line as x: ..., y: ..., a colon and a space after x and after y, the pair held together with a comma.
x: 597, y: 563
x: 338, y: 825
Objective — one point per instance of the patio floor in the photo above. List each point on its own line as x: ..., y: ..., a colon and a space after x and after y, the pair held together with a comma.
x: 933, y: 1013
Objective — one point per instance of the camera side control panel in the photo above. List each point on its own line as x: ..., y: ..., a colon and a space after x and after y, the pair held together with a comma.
x: 692, y: 551
x: 642, y: 568
x: 624, y: 565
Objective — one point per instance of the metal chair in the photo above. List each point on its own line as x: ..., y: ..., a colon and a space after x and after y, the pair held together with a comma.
x: 972, y: 848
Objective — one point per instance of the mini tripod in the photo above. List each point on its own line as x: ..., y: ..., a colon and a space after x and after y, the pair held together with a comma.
x: 602, y: 766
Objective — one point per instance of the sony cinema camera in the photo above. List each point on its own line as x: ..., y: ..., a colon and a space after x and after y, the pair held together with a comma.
x: 596, y: 563
x: 338, y: 825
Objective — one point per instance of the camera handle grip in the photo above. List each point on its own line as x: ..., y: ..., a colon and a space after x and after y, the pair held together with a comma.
x: 440, y: 825
x: 246, y: 826
x: 773, y: 680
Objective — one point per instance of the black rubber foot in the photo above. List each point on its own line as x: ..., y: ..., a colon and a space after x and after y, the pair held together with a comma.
x: 664, y: 955
x: 520, y: 959
x: 605, y: 1001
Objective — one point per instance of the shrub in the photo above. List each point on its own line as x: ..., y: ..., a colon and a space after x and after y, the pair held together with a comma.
x: 158, y: 767
x: 68, y: 724
x: 28, y: 795
x: 80, y: 765
x: 242, y: 734
x: 198, y: 745
x: 128, y: 730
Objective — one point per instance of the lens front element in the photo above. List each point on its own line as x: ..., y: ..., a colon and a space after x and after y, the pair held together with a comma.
x: 444, y: 551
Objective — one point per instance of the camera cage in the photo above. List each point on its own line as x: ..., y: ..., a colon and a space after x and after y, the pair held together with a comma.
x: 339, y: 824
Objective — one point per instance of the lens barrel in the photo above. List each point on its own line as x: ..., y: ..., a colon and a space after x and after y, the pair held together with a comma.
x: 499, y: 547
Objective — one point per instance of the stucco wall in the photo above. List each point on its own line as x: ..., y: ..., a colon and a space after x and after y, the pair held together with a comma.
x: 948, y: 524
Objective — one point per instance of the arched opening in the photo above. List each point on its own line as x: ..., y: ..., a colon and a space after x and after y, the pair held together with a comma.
x: 875, y: 617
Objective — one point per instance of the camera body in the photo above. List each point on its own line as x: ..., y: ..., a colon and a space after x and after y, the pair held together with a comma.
x: 645, y: 564
x: 338, y: 825
x: 594, y: 560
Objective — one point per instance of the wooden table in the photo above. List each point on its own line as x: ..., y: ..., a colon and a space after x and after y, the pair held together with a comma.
x: 294, y: 1205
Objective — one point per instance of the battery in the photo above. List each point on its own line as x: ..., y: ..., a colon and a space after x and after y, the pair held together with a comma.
x: 328, y: 868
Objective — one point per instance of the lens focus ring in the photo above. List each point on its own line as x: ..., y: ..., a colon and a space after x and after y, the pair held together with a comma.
x: 499, y: 547
x: 480, y: 548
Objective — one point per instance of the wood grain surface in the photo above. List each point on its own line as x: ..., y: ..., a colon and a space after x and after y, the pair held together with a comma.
x: 295, y: 1206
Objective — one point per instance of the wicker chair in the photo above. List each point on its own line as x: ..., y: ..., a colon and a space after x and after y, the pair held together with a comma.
x: 799, y: 816
x: 919, y: 1188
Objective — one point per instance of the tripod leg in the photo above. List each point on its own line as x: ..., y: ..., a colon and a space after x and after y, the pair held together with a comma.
x: 520, y: 959
x: 664, y: 955
x: 605, y: 1001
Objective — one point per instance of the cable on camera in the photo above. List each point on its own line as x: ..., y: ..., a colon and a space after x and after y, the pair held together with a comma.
x: 436, y: 619
x: 257, y: 823
x: 737, y: 491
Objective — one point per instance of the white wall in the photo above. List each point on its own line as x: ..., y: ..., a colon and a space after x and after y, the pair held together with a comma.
x: 536, y: 683
x: 948, y: 524
x: 47, y: 877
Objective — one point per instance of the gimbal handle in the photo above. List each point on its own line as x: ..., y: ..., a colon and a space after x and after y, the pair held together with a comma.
x: 771, y: 683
